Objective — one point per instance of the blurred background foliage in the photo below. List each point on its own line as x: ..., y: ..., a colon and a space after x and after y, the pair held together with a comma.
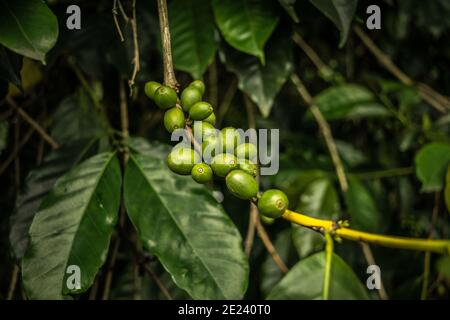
x: 395, y: 146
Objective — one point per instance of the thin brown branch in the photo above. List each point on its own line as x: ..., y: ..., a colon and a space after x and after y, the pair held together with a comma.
x: 94, y: 289
x: 309, y: 51
x: 226, y: 101
x: 116, y: 20
x: 136, y: 59
x: 110, y: 271
x: 269, y: 246
x: 435, y: 99
x: 15, y: 153
x: 13, y: 283
x: 169, y: 74
x: 124, y: 120
x: 158, y: 281
x: 32, y: 123
x: 137, y: 283
x: 325, y: 130
x: 368, y: 255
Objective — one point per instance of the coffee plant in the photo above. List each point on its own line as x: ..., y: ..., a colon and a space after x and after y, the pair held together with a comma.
x: 126, y: 173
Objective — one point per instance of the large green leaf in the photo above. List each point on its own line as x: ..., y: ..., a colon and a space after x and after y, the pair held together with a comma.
x: 349, y: 101
x: 183, y: 225
x: 192, y: 37
x: 73, y: 227
x: 37, y: 185
x: 10, y: 66
x: 262, y: 83
x: 28, y: 27
x: 304, y: 281
x: 246, y: 24
x: 362, y: 208
x: 270, y: 272
x: 431, y: 164
x: 341, y: 12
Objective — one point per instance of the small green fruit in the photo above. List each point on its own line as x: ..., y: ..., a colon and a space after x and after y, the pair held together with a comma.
x: 165, y: 97
x: 201, y: 110
x: 273, y: 203
x: 181, y: 160
x: 211, y: 119
x: 242, y: 184
x: 199, y: 85
x: 173, y: 119
x: 189, y: 97
x: 223, y: 163
x: 248, y: 166
x: 246, y: 151
x: 206, y: 128
x: 150, y: 88
x: 230, y: 139
x: 267, y: 220
x: 210, y: 146
x: 202, y: 173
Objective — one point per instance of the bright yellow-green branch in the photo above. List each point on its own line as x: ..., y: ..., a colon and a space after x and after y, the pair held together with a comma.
x: 437, y: 246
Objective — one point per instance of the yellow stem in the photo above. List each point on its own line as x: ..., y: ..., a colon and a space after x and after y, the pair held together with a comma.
x: 329, y: 248
x: 437, y: 246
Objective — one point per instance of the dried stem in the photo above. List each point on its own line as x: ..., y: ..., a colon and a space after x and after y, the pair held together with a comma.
x: 158, y: 282
x: 136, y: 59
x: 110, y: 271
x: 13, y: 283
x: 169, y: 74
x: 116, y: 20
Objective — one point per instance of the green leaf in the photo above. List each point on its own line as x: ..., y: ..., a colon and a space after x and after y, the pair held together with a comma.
x: 447, y: 189
x: 76, y: 118
x: 349, y: 101
x: 362, y: 207
x: 193, y: 42
x: 10, y: 66
x: 340, y: 12
x: 289, y: 6
x: 182, y: 224
x: 38, y: 184
x: 28, y: 27
x: 270, y: 272
x: 304, y: 281
x: 262, y: 83
x: 246, y: 24
x: 431, y: 164
x: 320, y: 200
x: 352, y: 156
x: 73, y: 227
x: 306, y: 241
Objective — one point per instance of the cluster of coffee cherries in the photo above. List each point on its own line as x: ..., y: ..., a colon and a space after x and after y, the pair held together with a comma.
x: 212, y: 152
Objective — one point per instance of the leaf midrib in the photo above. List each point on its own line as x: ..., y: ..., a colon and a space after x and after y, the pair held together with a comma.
x: 177, y: 225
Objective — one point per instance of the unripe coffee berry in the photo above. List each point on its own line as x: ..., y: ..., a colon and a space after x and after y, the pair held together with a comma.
x: 173, y: 119
x: 189, y: 97
x: 202, y: 173
x: 199, y: 85
x: 273, y: 203
x: 246, y: 151
x: 230, y: 139
x: 211, y: 119
x: 150, y: 89
x: 201, y: 110
x: 210, y: 147
x: 223, y: 163
x: 267, y: 220
x: 182, y: 159
x: 242, y: 184
x: 165, y: 97
x: 248, y: 166
x: 204, y: 129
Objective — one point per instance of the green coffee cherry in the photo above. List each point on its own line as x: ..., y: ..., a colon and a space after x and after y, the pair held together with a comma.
x: 246, y: 151
x: 242, y: 184
x: 202, y: 173
x: 248, y: 166
x: 173, y: 119
x: 165, y: 97
x: 199, y: 85
x: 207, y: 129
x: 230, y: 139
x: 211, y: 119
x: 181, y: 160
x: 210, y: 146
x: 267, y: 220
x: 189, y: 97
x: 201, y: 110
x: 150, y: 88
x: 223, y: 163
x: 273, y: 203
